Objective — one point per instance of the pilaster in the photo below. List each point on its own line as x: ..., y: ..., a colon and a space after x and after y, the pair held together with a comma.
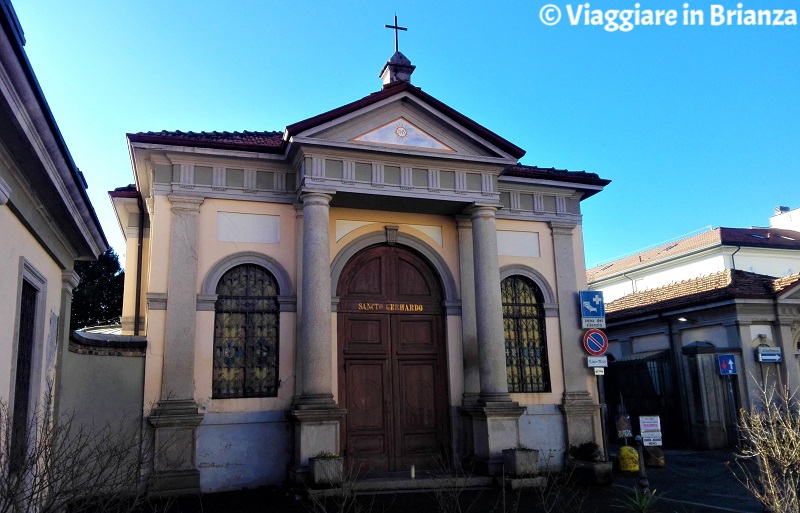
x: 581, y: 411
x: 69, y: 280
x: 175, y: 416
x: 469, y: 335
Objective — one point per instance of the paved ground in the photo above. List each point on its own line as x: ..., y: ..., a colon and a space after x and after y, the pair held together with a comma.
x: 691, y: 482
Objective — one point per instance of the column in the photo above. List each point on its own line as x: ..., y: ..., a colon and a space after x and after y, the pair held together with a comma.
x: 315, y: 414
x: 488, y: 306
x: 315, y: 337
x: 175, y: 417
x: 495, y: 417
x: 581, y: 411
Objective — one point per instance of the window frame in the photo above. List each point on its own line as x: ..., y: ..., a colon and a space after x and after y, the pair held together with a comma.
x: 515, y: 351
x: 249, y: 313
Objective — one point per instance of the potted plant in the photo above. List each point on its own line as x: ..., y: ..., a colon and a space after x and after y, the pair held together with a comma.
x: 327, y: 468
x: 521, y: 461
x: 586, y: 461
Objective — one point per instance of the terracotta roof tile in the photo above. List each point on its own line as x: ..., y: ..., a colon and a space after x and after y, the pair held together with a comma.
x: 524, y: 171
x: 722, y: 285
x: 247, y: 140
x: 781, y: 284
x: 750, y: 237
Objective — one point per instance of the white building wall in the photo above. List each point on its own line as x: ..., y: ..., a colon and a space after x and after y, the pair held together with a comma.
x: 788, y: 220
x: 772, y: 262
x: 654, y: 277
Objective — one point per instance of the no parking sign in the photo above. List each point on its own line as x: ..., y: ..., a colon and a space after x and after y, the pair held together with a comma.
x: 595, y: 342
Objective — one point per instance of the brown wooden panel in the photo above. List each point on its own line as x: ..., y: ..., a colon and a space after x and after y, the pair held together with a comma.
x: 368, y: 281
x: 365, y: 333
x: 417, y: 405
x: 416, y: 334
x: 368, y: 428
x: 410, y: 279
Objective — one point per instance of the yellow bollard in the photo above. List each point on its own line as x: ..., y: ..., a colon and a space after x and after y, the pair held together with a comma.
x: 628, y: 459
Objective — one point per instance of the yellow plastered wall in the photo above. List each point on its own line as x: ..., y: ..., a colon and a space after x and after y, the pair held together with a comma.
x: 18, y: 242
x: 211, y: 251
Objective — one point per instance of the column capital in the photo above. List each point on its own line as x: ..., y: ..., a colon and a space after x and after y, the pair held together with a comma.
x: 69, y: 280
x: 185, y: 203
x: 314, y: 196
x: 484, y: 210
x: 562, y: 227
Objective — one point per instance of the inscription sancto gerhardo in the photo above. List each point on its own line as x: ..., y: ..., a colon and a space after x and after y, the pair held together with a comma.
x: 390, y: 307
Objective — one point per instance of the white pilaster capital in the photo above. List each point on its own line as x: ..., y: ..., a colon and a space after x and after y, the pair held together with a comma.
x: 5, y: 192
x: 562, y: 227
x: 185, y: 203
x: 69, y: 280
x: 463, y: 222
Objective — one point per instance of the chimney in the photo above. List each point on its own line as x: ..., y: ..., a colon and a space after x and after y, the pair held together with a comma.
x: 781, y: 210
x: 397, y: 69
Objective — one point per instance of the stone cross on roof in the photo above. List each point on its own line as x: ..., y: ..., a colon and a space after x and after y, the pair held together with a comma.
x: 396, y: 29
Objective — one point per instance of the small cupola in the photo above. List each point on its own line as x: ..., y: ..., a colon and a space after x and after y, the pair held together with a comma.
x: 398, y: 68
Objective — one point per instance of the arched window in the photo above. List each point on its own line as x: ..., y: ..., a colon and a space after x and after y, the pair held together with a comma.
x: 525, y: 338
x: 246, y: 334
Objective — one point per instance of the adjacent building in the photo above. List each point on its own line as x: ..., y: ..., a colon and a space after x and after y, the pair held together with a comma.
x: 689, y: 323
x: 46, y: 223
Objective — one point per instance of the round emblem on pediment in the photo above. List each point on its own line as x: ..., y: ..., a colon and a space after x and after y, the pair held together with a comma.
x: 401, y: 131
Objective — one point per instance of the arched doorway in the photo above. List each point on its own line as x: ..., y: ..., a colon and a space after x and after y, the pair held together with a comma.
x: 392, y: 367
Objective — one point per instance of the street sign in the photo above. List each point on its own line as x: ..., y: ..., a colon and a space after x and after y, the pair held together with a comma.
x: 593, y: 309
x: 624, y: 429
x: 595, y: 342
x: 727, y: 364
x: 598, y: 361
x: 651, y: 439
x: 768, y: 354
x: 650, y: 423
x: 650, y: 428
x: 599, y: 371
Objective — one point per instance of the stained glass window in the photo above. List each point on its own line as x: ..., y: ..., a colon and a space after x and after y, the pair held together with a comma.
x: 246, y: 334
x: 525, y: 338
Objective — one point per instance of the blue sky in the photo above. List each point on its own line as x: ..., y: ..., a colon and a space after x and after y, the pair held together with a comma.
x: 696, y: 126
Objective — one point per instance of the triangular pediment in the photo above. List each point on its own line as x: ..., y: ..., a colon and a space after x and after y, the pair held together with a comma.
x: 402, y: 132
x: 409, y: 121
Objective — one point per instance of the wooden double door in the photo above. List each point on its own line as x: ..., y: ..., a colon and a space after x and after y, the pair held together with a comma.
x: 392, y: 369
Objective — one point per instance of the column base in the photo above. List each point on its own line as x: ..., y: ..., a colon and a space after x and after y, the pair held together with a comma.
x: 315, y: 431
x: 314, y: 402
x: 174, y: 483
x: 174, y: 458
x: 495, y: 426
x: 582, y: 419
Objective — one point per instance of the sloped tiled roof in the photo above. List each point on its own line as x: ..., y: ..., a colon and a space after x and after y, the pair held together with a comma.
x: 269, y: 142
x: 552, y: 173
x: 726, y: 284
x: 784, y: 283
x: 749, y: 237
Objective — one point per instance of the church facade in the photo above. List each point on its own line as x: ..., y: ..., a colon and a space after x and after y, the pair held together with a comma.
x: 382, y: 281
